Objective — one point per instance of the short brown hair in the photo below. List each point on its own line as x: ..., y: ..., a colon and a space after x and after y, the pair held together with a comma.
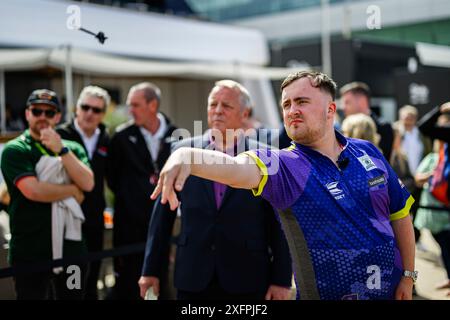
x: 150, y: 90
x: 356, y: 87
x: 318, y: 80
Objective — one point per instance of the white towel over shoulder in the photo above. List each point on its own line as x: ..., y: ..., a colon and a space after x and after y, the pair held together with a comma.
x: 67, y: 215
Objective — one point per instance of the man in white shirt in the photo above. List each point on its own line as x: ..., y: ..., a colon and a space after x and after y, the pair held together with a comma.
x: 87, y: 129
x: 137, y: 152
x: 414, y: 144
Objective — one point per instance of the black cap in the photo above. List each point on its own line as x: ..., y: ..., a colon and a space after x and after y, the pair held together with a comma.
x: 43, y: 96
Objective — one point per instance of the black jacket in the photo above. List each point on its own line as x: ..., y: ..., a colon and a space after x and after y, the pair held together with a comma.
x: 428, y: 126
x: 384, y: 129
x: 241, y: 242
x: 94, y: 201
x: 129, y: 170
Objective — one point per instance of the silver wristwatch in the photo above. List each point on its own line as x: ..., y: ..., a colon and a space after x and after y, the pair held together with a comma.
x: 411, y: 274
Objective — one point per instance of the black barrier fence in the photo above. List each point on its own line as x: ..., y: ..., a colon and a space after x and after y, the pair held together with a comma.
x: 64, y: 262
x: 100, y: 255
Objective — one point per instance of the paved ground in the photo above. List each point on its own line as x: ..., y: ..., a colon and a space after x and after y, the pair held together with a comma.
x: 430, y: 267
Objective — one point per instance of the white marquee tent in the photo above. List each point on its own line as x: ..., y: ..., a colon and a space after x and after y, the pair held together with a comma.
x: 37, y: 33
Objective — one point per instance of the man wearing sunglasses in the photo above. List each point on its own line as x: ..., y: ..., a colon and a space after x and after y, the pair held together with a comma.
x: 88, y: 130
x: 30, y: 209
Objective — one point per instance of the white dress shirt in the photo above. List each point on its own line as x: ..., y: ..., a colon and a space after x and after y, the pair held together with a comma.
x: 413, y: 148
x: 89, y: 142
x: 153, y: 141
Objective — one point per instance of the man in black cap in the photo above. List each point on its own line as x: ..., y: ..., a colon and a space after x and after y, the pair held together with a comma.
x: 30, y: 209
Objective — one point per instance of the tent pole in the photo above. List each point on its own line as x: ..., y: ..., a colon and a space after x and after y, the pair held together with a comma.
x: 2, y: 102
x: 325, y: 37
x: 68, y: 83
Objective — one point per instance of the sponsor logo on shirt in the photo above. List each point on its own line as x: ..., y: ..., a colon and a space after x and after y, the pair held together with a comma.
x: 377, y: 181
x: 334, y: 190
x: 367, y: 163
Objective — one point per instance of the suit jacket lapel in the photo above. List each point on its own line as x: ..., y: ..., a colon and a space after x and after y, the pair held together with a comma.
x: 141, y: 146
x: 77, y: 136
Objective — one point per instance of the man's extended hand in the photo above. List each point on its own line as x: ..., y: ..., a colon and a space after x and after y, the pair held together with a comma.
x: 147, y: 282
x: 445, y: 108
x: 172, y: 177
x: 278, y: 293
x: 404, y: 289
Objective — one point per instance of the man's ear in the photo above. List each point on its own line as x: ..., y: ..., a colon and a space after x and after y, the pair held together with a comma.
x: 58, y: 117
x: 245, y: 114
x: 27, y: 114
x: 332, y: 108
x: 153, y: 105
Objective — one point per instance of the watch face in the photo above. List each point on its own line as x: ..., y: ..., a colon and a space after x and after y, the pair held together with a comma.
x: 63, y: 151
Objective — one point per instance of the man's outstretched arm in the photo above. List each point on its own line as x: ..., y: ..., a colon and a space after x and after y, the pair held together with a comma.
x: 238, y: 172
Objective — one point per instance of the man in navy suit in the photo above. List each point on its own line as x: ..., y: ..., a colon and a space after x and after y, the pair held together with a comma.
x: 222, y: 253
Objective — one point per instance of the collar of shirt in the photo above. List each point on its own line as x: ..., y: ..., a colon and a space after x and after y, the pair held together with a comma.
x: 89, y: 142
x: 153, y: 141
x: 342, y: 141
x: 414, y: 133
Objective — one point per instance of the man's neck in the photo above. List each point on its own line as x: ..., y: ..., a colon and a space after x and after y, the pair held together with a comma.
x: 328, y: 145
x: 366, y: 111
x: 87, y: 132
x: 153, y: 125
x: 35, y: 136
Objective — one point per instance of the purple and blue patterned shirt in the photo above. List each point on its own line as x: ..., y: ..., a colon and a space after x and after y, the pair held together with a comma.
x: 344, y: 215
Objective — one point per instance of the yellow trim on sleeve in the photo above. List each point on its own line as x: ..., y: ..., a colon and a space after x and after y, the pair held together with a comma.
x: 403, y: 212
x: 262, y: 167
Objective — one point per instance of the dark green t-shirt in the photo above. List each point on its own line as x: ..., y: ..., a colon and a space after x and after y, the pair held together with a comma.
x: 30, y: 221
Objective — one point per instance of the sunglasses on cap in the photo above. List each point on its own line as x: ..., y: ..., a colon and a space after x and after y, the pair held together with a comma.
x: 86, y: 107
x: 49, y: 113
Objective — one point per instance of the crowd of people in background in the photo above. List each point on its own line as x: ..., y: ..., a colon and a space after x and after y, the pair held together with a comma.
x: 220, y: 254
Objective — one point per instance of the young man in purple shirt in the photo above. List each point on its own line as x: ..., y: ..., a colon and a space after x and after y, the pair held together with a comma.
x: 340, y: 198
